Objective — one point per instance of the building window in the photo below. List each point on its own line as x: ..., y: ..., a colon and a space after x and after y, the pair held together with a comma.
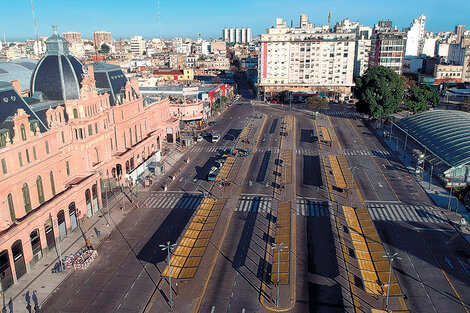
x: 80, y: 133
x: 47, y: 147
x: 40, y: 189
x: 26, y: 198
x: 96, y: 128
x: 63, y: 137
x: 130, y: 136
x: 51, y: 177
x: 23, y: 132
x: 75, y: 113
x: 11, y: 206
x: 4, y: 166
x: 20, y: 158
x: 90, y: 130
x: 111, y: 141
x: 27, y: 156
x: 67, y: 168
x: 135, y: 133
x: 35, y: 156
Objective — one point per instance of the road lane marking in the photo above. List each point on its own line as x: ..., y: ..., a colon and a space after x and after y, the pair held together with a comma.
x: 373, y: 159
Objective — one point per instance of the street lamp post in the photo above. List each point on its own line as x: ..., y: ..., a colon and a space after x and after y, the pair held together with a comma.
x: 279, y: 248
x: 169, y: 247
x: 430, y: 177
x: 390, y: 259
x: 450, y: 191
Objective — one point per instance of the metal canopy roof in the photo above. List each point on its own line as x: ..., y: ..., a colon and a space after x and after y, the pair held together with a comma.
x: 446, y: 133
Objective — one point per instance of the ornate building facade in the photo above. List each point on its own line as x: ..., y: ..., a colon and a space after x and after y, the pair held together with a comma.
x: 82, y: 125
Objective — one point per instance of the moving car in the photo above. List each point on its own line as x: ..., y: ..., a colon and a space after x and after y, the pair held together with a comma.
x: 215, y: 138
x: 213, y: 123
x: 199, y: 138
x: 212, y: 173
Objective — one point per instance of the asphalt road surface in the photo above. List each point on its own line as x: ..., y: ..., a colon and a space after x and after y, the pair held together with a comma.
x: 433, y: 272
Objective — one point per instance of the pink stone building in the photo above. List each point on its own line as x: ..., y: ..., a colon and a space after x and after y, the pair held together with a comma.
x: 82, y: 126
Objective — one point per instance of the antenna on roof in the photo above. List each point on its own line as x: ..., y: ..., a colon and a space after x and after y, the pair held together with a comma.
x: 329, y: 19
x: 35, y: 28
x: 159, y: 23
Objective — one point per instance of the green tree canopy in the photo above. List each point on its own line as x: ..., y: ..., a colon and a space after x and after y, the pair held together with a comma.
x: 419, y: 98
x: 380, y: 92
x: 105, y: 48
x: 316, y: 103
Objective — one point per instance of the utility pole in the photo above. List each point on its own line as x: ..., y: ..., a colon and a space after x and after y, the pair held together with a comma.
x: 390, y: 260
x: 279, y: 248
x: 450, y: 191
x: 169, y: 247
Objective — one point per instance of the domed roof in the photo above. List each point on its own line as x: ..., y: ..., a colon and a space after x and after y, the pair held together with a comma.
x: 58, y: 74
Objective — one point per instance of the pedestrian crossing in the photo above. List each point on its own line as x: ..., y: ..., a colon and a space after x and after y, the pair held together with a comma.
x: 311, y: 208
x: 377, y: 153
x: 206, y: 149
x: 405, y: 213
x: 254, y: 204
x: 303, y: 207
x: 342, y: 113
x: 174, y: 201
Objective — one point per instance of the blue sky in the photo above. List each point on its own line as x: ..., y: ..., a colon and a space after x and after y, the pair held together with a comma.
x: 186, y: 18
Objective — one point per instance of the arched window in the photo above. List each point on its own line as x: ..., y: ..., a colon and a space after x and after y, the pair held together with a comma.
x: 40, y: 189
x: 75, y: 113
x: 11, y: 206
x: 26, y: 198
x: 23, y: 132
x: 51, y: 177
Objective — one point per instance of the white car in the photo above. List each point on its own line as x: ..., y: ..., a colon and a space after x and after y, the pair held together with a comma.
x: 199, y: 138
x: 215, y: 138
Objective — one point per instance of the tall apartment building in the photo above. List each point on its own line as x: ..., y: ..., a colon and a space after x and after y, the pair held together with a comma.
x: 72, y: 37
x: 137, y: 45
x: 415, y: 35
x: 101, y: 37
x: 459, y: 54
x: 459, y: 31
x: 236, y: 35
x: 305, y: 59
x: 387, y: 46
x: 361, y: 56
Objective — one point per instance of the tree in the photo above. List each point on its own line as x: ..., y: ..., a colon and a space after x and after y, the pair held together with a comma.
x: 419, y: 98
x: 380, y: 92
x: 316, y: 103
x: 105, y: 49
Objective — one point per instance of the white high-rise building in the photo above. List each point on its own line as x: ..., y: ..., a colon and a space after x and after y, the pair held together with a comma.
x: 305, y: 59
x: 428, y: 46
x: 137, y: 45
x: 236, y: 35
x: 415, y: 35
x: 231, y: 37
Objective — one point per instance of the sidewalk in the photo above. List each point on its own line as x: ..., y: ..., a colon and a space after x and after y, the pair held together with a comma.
x: 39, y: 283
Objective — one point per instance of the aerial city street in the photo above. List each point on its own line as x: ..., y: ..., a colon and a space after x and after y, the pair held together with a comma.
x: 290, y: 166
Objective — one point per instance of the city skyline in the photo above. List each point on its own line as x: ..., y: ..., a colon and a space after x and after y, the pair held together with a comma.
x: 142, y: 17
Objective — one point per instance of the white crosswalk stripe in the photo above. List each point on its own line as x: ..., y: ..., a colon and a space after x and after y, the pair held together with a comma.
x: 311, y: 208
x: 254, y: 204
x: 405, y: 213
x: 342, y: 113
x: 172, y: 200
x: 377, y: 153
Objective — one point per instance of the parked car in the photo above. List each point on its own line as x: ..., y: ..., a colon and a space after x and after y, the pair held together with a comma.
x: 215, y: 138
x: 199, y: 138
x: 213, y: 123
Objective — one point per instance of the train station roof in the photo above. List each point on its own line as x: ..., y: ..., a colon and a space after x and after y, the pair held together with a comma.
x: 445, y: 133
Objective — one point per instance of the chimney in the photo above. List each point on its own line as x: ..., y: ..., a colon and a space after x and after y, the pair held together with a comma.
x: 90, y: 70
x: 16, y: 84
